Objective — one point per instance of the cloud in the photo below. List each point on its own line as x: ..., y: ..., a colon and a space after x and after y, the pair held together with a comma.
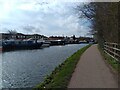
x: 48, y: 18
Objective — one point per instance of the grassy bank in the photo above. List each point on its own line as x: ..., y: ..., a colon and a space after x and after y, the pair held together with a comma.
x: 60, y: 77
x: 111, y: 61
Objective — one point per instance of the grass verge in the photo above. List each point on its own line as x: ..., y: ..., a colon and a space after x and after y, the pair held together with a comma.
x: 60, y: 77
x: 111, y: 61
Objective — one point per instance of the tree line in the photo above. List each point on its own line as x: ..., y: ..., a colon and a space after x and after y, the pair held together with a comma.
x: 104, y: 20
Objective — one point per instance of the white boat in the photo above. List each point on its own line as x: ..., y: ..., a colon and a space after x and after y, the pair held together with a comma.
x: 45, y: 43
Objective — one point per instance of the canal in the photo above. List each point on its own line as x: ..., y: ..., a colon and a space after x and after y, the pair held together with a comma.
x: 27, y: 68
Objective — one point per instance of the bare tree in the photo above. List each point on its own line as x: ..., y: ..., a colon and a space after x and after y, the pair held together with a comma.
x: 12, y: 31
x: 104, y: 20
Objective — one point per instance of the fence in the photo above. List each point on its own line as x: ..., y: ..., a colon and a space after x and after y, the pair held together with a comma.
x: 113, y: 50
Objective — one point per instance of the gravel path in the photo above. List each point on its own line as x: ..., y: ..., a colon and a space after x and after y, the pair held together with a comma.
x: 92, y: 72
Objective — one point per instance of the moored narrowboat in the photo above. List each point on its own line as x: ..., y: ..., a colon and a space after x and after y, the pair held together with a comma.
x: 20, y: 44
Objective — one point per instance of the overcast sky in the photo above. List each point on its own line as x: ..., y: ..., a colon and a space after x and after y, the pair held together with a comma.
x: 46, y: 17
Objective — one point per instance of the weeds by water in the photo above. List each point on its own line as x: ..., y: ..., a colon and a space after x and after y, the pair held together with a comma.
x: 60, y: 77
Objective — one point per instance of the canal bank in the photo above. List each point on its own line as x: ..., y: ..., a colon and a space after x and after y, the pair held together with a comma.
x: 61, y: 75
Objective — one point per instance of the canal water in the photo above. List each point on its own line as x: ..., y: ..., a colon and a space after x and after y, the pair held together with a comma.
x: 27, y: 68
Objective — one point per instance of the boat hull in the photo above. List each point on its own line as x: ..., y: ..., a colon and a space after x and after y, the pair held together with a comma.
x: 21, y: 46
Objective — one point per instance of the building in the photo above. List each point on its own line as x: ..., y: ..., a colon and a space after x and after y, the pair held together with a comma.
x: 7, y: 36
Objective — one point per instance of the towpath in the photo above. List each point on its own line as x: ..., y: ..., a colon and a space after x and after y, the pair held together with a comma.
x: 92, y: 72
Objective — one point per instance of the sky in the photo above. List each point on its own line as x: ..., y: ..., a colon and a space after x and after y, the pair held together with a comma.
x: 45, y: 17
